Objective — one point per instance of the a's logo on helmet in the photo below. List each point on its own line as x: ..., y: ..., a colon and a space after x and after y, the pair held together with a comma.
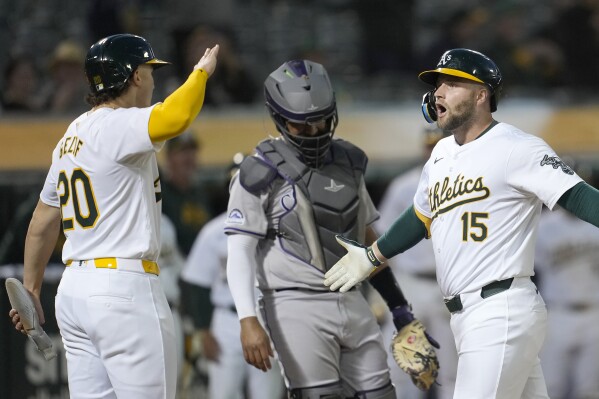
x: 97, y: 79
x: 445, y: 58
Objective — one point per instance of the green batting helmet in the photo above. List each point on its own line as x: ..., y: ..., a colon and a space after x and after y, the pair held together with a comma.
x: 471, y: 65
x: 111, y: 61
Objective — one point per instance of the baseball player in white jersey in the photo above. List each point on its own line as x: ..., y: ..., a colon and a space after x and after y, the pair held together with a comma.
x: 171, y: 263
x: 286, y: 205
x: 567, y: 258
x: 416, y: 271
x: 103, y: 187
x: 479, y: 198
x: 228, y: 372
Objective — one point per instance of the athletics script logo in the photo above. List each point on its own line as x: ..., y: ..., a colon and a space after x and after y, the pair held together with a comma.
x: 555, y: 162
x: 447, y: 195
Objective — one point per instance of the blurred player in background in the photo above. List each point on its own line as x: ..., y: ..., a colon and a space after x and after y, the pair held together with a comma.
x: 171, y: 263
x: 186, y: 201
x: 215, y: 318
x: 567, y: 257
x: 415, y: 269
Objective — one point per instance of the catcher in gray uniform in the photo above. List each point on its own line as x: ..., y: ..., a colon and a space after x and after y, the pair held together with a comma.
x: 286, y: 205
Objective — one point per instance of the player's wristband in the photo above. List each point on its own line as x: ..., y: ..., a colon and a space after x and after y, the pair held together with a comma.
x: 372, y: 257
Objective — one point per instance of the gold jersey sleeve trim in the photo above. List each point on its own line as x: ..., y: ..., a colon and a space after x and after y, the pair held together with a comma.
x: 171, y: 117
x: 426, y: 221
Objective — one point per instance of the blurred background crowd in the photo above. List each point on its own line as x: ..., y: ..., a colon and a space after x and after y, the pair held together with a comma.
x: 548, y: 52
x: 372, y: 49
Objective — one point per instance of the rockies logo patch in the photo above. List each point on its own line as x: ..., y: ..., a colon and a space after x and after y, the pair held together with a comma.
x: 555, y: 162
x: 235, y: 217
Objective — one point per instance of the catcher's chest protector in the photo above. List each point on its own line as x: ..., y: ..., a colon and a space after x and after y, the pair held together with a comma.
x: 329, y: 196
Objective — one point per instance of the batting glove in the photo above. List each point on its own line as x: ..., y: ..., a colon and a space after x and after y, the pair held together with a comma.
x: 21, y: 301
x: 354, y: 267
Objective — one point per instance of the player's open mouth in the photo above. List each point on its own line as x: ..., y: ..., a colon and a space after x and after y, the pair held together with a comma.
x: 441, y: 110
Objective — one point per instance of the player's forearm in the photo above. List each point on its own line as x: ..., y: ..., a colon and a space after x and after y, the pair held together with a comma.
x: 241, y: 265
x: 40, y: 242
x: 385, y: 283
x: 407, y: 231
x: 583, y: 201
x: 178, y: 111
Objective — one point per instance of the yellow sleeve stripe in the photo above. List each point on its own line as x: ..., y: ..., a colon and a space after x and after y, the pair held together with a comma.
x: 426, y: 221
x: 178, y: 111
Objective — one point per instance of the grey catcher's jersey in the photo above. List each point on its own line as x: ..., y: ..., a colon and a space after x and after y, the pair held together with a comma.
x: 107, y: 186
x: 257, y: 214
x: 484, y: 199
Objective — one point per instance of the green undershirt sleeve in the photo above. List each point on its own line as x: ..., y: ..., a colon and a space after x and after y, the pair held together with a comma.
x: 583, y: 201
x: 405, y: 232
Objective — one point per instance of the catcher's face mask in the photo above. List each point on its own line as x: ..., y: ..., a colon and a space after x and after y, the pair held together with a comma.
x: 301, y: 102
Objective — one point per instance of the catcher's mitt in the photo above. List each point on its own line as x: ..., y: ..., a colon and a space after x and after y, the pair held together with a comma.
x: 415, y: 355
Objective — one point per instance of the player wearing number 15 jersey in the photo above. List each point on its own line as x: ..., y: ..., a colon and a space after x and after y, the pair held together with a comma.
x: 103, y: 185
x: 479, y: 198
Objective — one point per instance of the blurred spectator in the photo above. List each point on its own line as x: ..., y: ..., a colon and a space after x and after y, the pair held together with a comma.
x: 388, y: 38
x: 185, y: 201
x: 12, y: 242
x: 67, y: 87
x: 20, y: 90
x: 462, y: 29
x: 232, y: 82
x: 109, y: 17
x: 577, y: 34
x: 532, y: 59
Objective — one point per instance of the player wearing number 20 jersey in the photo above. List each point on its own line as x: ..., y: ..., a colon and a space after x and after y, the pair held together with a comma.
x: 103, y: 187
x: 107, y: 187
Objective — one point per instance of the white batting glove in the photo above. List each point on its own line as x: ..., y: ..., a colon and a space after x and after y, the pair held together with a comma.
x: 354, y: 267
x: 21, y: 302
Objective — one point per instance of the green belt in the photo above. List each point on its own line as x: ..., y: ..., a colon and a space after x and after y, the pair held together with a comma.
x: 455, y: 304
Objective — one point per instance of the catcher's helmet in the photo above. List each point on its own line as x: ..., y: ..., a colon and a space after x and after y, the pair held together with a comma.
x: 300, y: 91
x: 467, y: 64
x: 111, y: 61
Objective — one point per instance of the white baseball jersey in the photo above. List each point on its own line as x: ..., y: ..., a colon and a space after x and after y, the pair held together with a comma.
x: 484, y: 199
x: 104, y: 178
x: 115, y: 321
x: 206, y: 264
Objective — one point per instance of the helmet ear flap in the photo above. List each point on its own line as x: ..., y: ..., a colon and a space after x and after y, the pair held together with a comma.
x: 429, y: 110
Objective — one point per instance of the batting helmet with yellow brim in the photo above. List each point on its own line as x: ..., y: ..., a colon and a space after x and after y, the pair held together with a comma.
x: 467, y: 64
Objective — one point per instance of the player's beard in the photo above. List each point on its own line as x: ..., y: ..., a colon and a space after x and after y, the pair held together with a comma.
x: 458, y: 117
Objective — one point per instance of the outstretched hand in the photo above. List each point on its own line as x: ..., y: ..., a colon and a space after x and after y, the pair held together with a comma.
x: 208, y: 60
x: 352, y: 268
